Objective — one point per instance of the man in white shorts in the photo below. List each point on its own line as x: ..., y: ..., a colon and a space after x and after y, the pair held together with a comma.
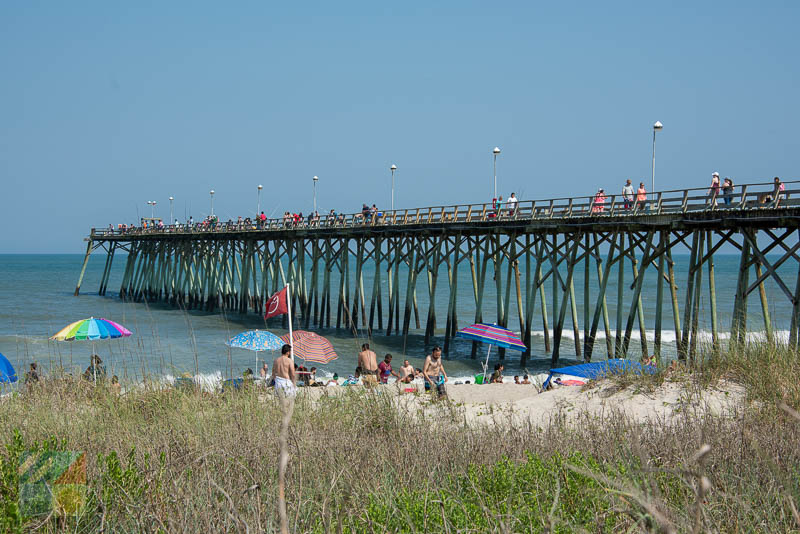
x: 283, y: 373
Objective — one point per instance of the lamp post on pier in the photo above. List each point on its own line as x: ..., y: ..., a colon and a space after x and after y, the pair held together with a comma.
x: 656, y: 127
x: 315, y: 180
x: 152, y: 204
x: 258, y: 209
x: 496, y: 151
x: 393, y: 168
x: 171, y: 212
x: 212, y: 202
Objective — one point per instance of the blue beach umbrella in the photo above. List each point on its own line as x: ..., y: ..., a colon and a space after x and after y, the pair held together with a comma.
x: 7, y: 372
x: 257, y: 341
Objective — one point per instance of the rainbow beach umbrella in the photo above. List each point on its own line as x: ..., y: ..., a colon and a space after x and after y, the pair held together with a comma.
x: 311, y: 347
x: 492, y: 334
x: 91, y: 329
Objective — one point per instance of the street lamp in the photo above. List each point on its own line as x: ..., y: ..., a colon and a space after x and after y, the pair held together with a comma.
x: 656, y: 127
x: 152, y: 204
x: 212, y: 202
x: 393, y: 168
x: 496, y: 151
x: 316, y: 179
x: 258, y: 210
x: 171, y: 213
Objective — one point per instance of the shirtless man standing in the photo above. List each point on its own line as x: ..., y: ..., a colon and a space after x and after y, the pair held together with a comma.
x: 434, y: 373
x: 368, y: 361
x: 406, y: 373
x: 283, y: 373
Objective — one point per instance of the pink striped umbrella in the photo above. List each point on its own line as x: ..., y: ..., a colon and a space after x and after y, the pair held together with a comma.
x: 493, y: 335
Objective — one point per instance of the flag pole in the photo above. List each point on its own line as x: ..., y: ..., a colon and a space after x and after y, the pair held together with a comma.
x: 289, y: 310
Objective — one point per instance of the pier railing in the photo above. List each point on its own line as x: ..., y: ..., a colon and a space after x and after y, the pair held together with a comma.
x: 756, y: 196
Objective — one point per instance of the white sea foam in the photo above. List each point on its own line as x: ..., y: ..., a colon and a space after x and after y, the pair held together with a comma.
x: 667, y: 336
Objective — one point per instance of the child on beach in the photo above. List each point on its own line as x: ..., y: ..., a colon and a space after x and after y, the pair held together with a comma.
x: 497, y: 376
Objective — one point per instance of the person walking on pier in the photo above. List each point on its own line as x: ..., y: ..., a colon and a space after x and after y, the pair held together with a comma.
x: 497, y: 207
x: 627, y: 194
x: 727, y: 191
x: 599, y: 202
x: 512, y: 205
x: 368, y: 361
x: 641, y: 197
x: 713, y: 191
x: 779, y: 189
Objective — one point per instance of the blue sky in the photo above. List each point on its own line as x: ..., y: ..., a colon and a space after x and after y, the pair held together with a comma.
x: 104, y: 106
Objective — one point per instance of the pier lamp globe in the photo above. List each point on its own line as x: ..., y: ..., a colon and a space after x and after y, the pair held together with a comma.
x: 656, y: 128
x: 393, y: 168
x: 212, y: 202
x: 495, y: 152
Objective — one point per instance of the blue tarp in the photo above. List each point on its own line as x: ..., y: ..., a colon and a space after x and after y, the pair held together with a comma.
x: 596, y: 370
x: 7, y: 372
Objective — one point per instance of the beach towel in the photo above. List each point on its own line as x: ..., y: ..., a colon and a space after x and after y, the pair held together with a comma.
x: 284, y: 387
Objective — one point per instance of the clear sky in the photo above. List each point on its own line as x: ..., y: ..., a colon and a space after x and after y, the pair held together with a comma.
x: 104, y: 106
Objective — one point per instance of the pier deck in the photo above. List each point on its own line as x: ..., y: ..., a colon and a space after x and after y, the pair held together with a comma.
x: 541, y: 243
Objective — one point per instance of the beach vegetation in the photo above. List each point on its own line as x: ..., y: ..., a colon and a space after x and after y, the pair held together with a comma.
x: 162, y: 459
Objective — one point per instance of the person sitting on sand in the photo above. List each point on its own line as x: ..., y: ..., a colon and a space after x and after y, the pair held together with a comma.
x: 96, y: 371
x: 406, y: 373
x: 497, y: 376
x: 32, y: 376
x: 264, y: 372
x: 334, y: 381
x: 385, y: 369
x: 312, y: 376
x: 525, y: 380
x: 283, y: 373
x: 302, y: 375
x: 353, y: 380
x: 434, y: 373
x: 115, y: 385
x: 516, y: 379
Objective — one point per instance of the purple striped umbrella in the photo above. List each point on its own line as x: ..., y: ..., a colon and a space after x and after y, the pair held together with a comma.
x: 492, y: 334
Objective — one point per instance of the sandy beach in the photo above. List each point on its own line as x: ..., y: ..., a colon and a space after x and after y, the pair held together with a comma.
x: 503, y: 404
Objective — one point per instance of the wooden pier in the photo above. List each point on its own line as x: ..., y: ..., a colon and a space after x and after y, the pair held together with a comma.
x: 531, y: 255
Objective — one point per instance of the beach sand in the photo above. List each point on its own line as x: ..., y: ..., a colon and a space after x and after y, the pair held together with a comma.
x: 503, y: 404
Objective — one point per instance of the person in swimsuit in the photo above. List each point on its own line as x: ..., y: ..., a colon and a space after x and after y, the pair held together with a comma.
x: 406, y: 373
x: 283, y: 373
x: 433, y: 372
x: 368, y: 361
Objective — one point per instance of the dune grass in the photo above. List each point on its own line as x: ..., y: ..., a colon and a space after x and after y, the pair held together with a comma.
x: 161, y: 460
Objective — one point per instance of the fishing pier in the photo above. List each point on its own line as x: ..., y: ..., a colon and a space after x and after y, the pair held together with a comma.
x: 520, y: 264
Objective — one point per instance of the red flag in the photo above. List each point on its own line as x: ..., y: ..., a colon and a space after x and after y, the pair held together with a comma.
x: 277, y: 304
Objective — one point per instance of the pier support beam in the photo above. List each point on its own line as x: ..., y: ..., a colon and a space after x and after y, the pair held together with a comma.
x: 83, y: 269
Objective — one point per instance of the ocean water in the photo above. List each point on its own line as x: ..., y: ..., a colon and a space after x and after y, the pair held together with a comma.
x: 36, y: 301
